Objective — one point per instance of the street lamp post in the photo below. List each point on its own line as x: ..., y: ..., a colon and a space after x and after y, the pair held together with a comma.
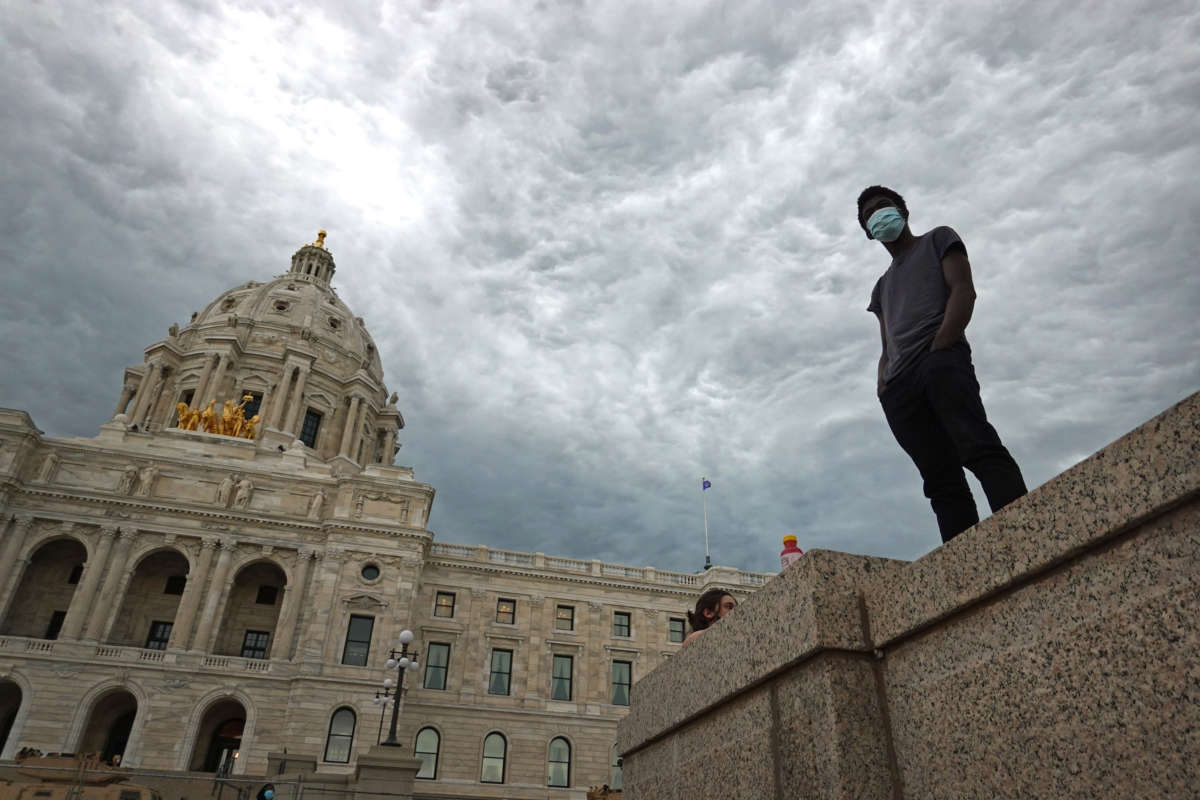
x: 400, y: 660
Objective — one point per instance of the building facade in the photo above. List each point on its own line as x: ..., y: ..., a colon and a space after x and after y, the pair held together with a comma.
x: 200, y: 585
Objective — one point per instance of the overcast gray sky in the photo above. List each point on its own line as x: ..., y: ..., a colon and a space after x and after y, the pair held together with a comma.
x: 608, y: 247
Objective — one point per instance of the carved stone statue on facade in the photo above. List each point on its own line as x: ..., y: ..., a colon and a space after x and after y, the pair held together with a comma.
x: 224, y: 490
x: 244, y: 490
x: 316, y: 504
x: 146, y: 480
x: 128, y: 476
x: 49, y: 465
x: 173, y: 331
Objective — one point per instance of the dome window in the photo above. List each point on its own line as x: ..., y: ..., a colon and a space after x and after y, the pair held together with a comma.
x: 370, y: 572
x: 282, y: 305
x: 229, y: 303
x: 335, y: 323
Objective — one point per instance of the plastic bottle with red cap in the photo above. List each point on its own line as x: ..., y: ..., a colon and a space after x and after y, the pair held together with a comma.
x: 791, y: 553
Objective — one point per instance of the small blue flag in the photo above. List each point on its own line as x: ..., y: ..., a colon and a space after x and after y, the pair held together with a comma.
x: 704, y: 484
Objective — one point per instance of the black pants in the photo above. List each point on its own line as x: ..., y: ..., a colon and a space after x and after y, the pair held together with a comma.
x: 935, y: 413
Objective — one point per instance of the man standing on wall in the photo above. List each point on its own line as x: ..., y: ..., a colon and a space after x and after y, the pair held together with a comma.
x: 926, y: 381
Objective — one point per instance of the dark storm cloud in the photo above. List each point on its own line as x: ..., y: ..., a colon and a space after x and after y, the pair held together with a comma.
x: 607, y: 248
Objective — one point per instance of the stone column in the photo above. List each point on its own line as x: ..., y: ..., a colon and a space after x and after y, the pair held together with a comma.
x: 85, y: 595
x: 389, y: 447
x: 212, y: 598
x: 293, y: 598
x: 143, y: 393
x: 102, y: 608
x: 9, y: 567
x: 126, y: 396
x: 219, y: 377
x: 279, y: 399
x: 351, y: 424
x: 297, y: 401
x: 193, y: 590
x: 199, y: 400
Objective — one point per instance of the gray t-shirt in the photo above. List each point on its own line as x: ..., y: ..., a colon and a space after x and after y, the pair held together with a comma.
x: 912, y: 296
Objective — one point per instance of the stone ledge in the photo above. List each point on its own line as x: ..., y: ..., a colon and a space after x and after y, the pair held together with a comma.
x: 1145, y: 473
x: 815, y: 602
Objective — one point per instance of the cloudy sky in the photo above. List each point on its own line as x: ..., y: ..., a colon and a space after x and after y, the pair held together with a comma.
x: 608, y: 247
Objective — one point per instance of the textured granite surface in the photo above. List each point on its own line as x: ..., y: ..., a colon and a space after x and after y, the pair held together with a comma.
x: 1144, y: 472
x: 831, y: 737
x: 1052, y: 651
x: 810, y: 607
x: 1082, y: 683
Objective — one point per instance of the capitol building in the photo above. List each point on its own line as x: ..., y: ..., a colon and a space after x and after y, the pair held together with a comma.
x: 222, y: 572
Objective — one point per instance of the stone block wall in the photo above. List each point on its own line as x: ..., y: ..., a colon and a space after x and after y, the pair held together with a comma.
x: 1051, y: 651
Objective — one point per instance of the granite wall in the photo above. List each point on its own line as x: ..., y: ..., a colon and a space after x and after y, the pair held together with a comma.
x: 1051, y: 651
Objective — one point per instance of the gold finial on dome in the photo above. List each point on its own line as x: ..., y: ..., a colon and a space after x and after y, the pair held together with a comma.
x: 320, y: 242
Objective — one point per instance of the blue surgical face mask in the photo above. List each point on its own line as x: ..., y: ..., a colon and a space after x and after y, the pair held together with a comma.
x: 886, y: 224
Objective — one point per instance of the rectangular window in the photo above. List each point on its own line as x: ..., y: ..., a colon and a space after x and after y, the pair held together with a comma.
x: 254, y: 644
x: 564, y: 618
x: 437, y: 663
x: 621, y: 623
x: 56, y: 622
x: 444, y: 605
x: 175, y: 584
x: 267, y: 595
x: 501, y: 678
x: 676, y: 630
x: 312, y: 424
x: 622, y: 678
x: 506, y: 611
x: 160, y: 634
x: 560, y: 686
x: 358, y: 640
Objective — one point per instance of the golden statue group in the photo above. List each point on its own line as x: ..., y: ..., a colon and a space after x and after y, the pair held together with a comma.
x: 230, y: 422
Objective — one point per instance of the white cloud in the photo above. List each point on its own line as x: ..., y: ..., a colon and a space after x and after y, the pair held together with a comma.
x: 607, y: 248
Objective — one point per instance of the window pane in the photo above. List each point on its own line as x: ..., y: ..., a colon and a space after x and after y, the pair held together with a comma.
x: 426, y: 749
x: 160, y: 634
x: 338, y: 749
x: 565, y: 619
x: 620, y: 623
x: 559, y: 763
x: 506, y: 611
x: 437, y: 660
x: 493, y: 771
x: 560, y: 686
x: 308, y: 430
x: 343, y: 722
x: 341, y: 736
x: 444, y: 607
x: 358, y: 641
x: 676, y: 630
x: 493, y: 745
x: 493, y: 759
x: 499, y: 679
x: 621, y: 674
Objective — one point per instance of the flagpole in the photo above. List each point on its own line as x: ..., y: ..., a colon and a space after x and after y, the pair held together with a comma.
x: 704, y: 503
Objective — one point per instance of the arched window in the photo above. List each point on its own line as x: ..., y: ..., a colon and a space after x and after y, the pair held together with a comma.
x: 341, y: 736
x: 615, y: 779
x: 428, y: 743
x: 558, y: 763
x: 495, y: 750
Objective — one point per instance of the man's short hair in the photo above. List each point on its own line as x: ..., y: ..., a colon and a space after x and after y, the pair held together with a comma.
x: 875, y: 191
